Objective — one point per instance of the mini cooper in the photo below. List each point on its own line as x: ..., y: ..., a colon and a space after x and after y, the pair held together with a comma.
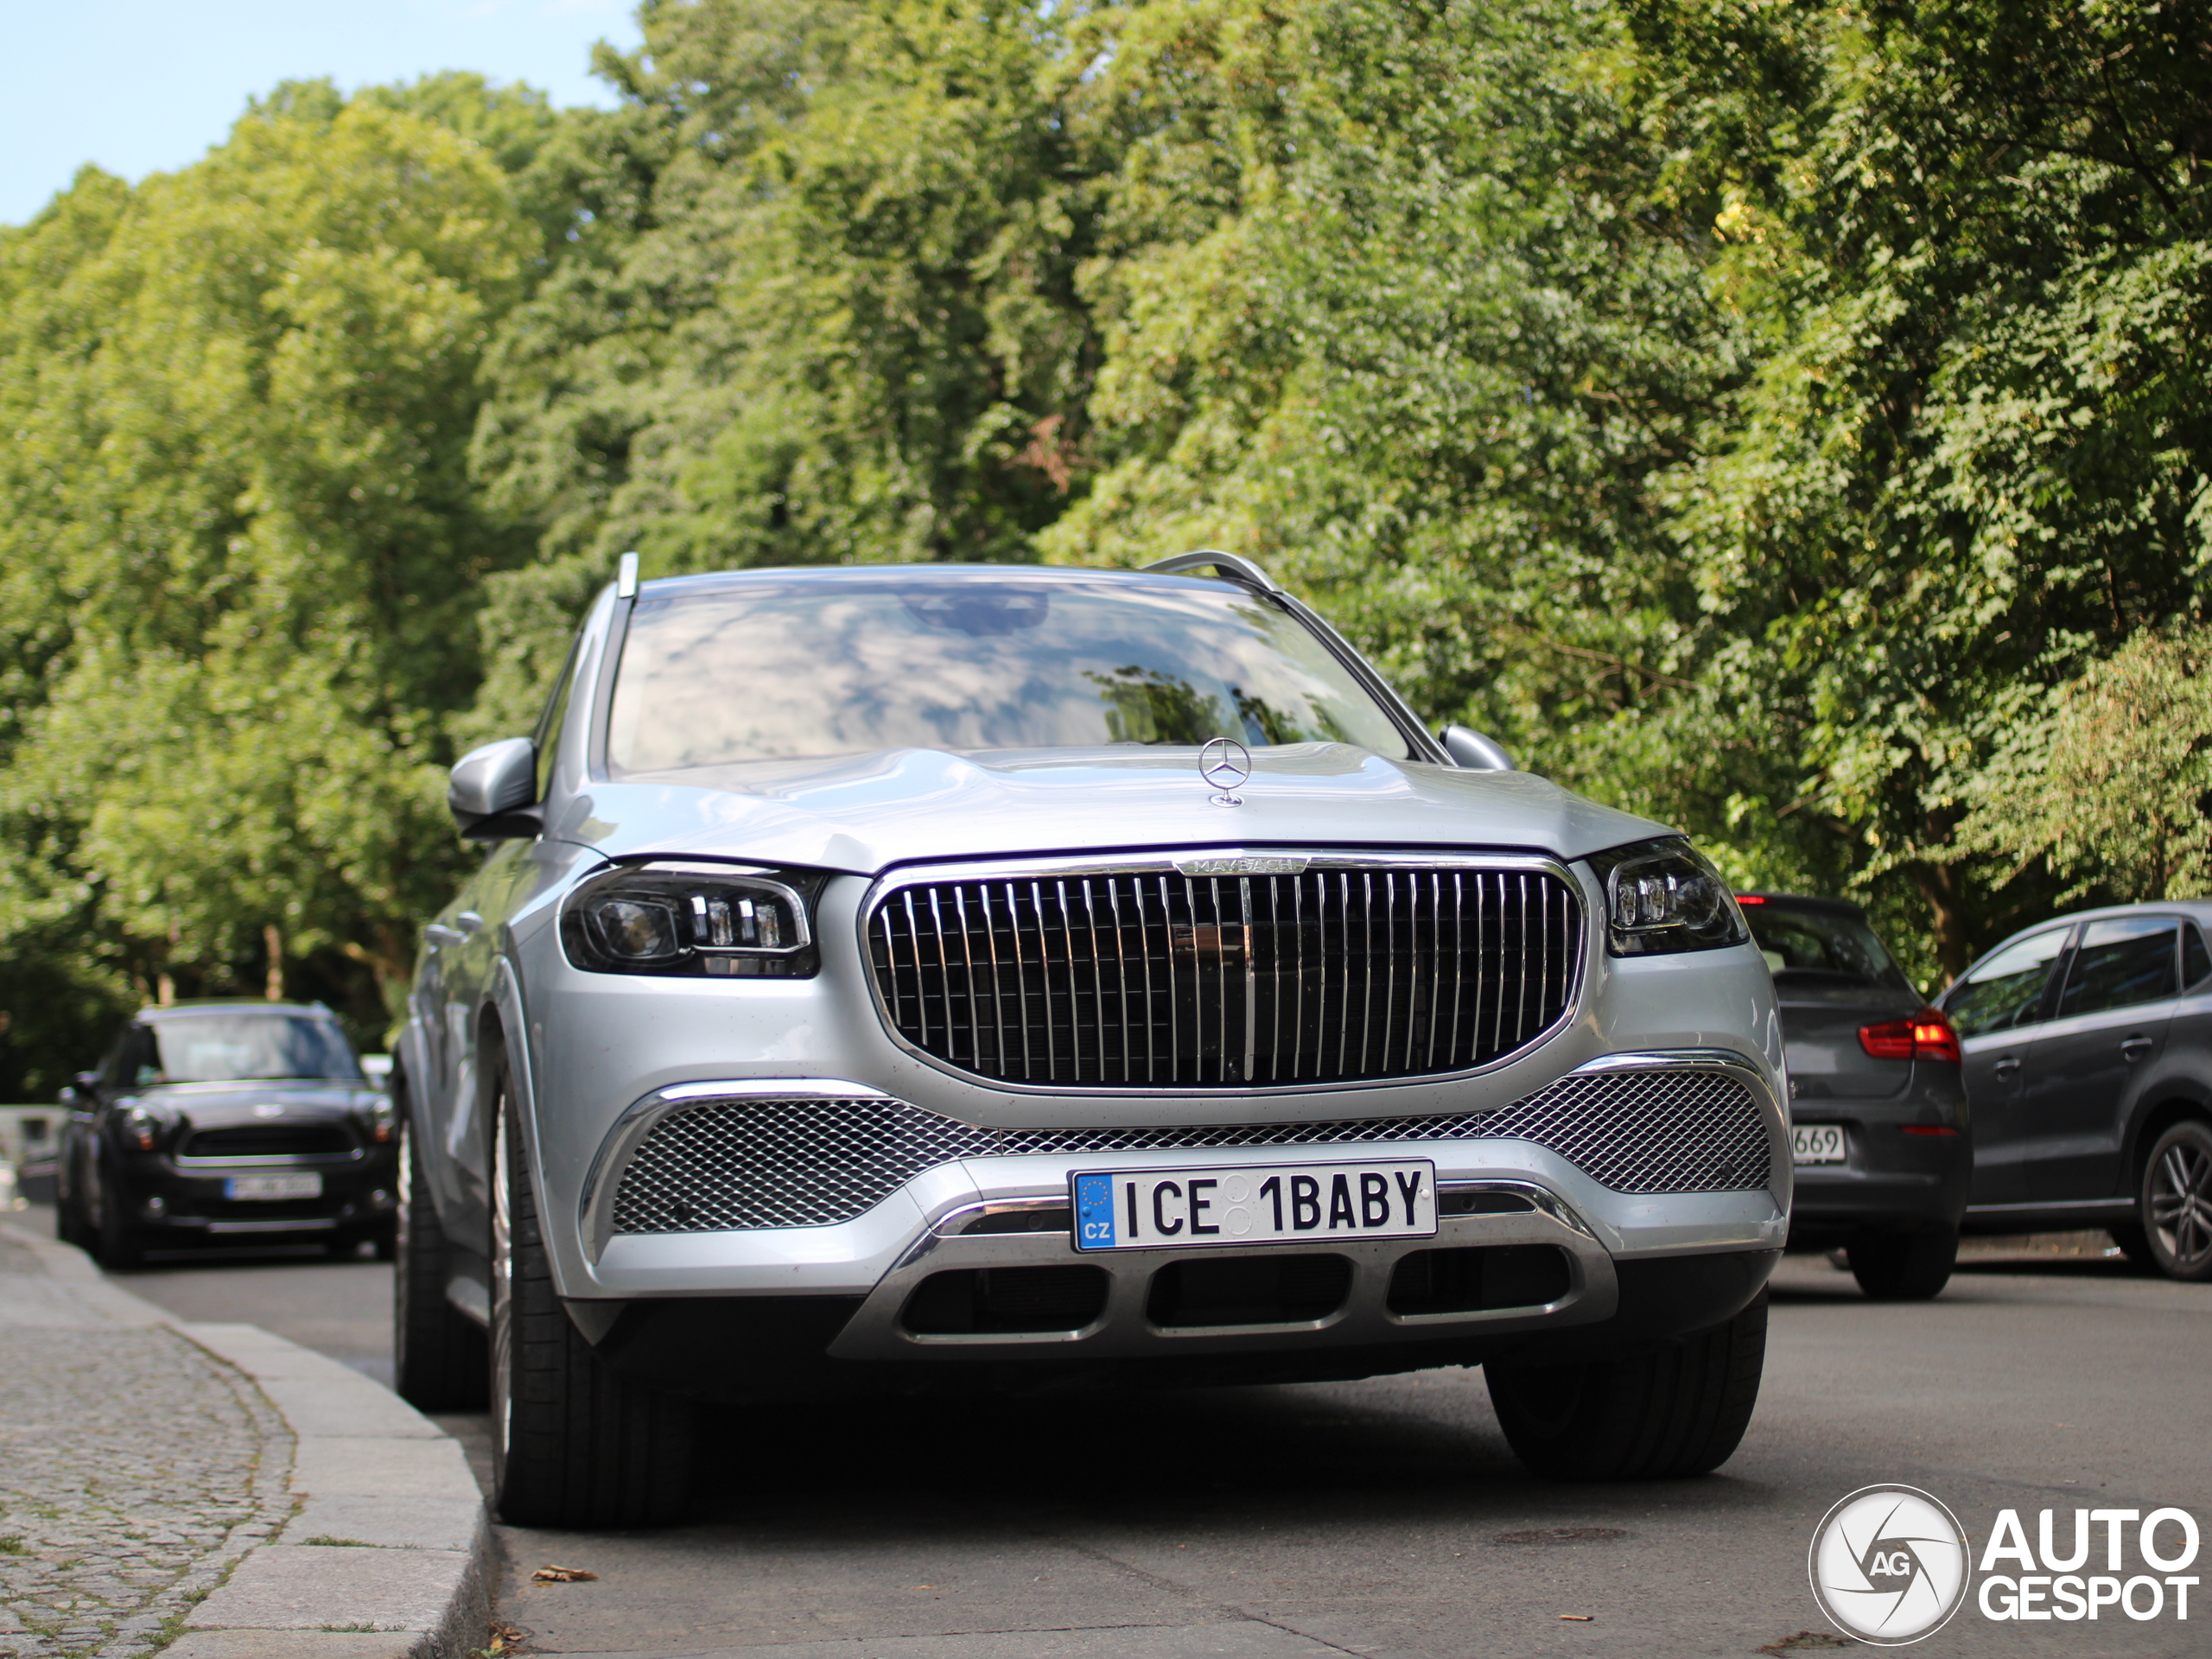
x: 958, y: 978
x: 227, y: 1123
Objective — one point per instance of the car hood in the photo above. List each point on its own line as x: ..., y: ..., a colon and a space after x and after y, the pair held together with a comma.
x: 866, y: 813
x: 221, y: 1105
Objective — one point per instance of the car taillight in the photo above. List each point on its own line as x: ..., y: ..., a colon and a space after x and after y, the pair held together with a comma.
x: 1925, y: 1036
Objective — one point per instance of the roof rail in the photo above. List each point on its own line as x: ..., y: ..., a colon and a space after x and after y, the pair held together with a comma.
x: 1241, y: 571
x: 626, y: 576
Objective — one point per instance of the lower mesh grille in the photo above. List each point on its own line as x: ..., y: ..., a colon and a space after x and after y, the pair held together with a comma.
x: 813, y: 1163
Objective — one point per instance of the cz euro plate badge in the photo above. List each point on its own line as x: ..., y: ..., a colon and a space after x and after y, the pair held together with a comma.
x: 1274, y: 1204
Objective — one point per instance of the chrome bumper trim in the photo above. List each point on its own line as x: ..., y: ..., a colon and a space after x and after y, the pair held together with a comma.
x: 1123, y: 1330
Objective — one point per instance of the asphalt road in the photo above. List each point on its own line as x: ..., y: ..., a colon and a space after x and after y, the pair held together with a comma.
x: 1383, y: 1517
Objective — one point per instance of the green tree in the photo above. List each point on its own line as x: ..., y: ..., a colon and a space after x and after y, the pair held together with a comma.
x: 1976, y: 454
x: 2108, y: 788
x: 242, y: 548
x: 1395, y: 300
x: 824, y: 310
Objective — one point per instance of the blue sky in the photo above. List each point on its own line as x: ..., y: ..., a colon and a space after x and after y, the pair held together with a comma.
x: 147, y: 85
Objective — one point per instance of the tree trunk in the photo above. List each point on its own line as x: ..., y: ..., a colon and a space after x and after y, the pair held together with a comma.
x: 274, y: 990
x: 1939, y: 885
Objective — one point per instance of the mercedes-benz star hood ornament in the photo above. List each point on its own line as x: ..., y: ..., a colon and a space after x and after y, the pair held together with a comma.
x: 1226, y: 764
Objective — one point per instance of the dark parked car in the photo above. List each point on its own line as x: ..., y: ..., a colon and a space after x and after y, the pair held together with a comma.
x: 1878, y: 1127
x: 235, y: 1121
x: 2088, y: 1059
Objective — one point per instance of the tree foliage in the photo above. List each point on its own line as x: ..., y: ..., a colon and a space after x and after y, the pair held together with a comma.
x: 243, y: 550
x: 1975, y: 456
x: 2109, y: 785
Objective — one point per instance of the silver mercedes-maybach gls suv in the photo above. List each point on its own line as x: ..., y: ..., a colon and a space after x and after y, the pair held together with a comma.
x: 891, y: 978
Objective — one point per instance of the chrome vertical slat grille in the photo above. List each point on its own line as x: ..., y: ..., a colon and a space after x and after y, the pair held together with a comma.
x: 1171, y: 980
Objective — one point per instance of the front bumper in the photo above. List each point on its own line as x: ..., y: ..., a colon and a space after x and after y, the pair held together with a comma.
x: 175, y: 1204
x: 1531, y: 1247
x: 809, y: 1348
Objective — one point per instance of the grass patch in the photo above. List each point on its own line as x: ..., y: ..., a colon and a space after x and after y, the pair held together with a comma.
x: 359, y: 1627
x: 14, y: 1545
x: 329, y: 1543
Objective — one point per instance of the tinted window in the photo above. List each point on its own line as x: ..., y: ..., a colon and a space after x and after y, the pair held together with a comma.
x: 1832, y: 945
x: 2119, y: 963
x: 853, y: 663
x: 2195, y: 960
x: 234, y: 1048
x: 2007, y: 989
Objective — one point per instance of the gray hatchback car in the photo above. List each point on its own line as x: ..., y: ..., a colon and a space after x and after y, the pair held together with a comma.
x: 1878, y: 1124
x: 2088, y: 1062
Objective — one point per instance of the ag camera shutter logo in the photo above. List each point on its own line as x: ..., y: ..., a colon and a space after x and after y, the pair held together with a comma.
x: 1889, y: 1564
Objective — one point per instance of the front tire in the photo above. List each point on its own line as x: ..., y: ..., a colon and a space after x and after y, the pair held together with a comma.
x: 116, y: 1243
x: 1676, y: 1411
x: 1903, y: 1267
x: 69, y: 1223
x: 573, y: 1445
x: 438, y: 1350
x: 2176, y: 1204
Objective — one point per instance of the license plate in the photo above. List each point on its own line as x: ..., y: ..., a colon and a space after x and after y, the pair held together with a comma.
x: 1276, y: 1204
x: 1816, y: 1143
x: 273, y: 1186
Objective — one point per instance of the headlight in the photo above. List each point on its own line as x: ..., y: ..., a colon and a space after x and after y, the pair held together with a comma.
x: 142, y: 1127
x: 1662, y: 897
x: 694, y: 921
x: 376, y: 1115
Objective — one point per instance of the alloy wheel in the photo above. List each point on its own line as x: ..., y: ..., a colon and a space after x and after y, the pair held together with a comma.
x: 403, y: 1193
x: 2179, y: 1194
x: 503, y: 1323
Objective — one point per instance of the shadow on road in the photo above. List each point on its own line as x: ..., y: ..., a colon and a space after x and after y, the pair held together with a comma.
x: 1325, y: 1454
x: 2058, y: 1267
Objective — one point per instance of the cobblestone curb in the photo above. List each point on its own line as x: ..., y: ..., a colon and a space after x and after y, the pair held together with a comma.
x: 309, y: 1514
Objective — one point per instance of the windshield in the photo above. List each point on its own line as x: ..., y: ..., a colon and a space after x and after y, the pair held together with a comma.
x: 239, y: 1048
x: 778, y: 668
x: 1833, y: 945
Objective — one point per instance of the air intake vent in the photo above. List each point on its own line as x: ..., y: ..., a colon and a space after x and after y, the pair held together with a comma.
x: 1137, y: 979
x: 266, y: 1141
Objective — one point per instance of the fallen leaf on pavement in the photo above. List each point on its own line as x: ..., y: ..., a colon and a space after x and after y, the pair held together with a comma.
x: 562, y: 1575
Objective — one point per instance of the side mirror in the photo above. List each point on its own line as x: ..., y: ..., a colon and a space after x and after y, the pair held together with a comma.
x: 1469, y: 748
x: 494, y: 793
